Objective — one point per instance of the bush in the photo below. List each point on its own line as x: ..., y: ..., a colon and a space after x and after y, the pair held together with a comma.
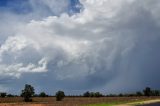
x: 60, y: 95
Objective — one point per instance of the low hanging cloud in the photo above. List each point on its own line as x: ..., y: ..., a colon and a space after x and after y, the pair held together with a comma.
x: 110, y: 44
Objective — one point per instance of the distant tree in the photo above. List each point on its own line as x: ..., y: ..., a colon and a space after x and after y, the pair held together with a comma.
x: 98, y: 94
x: 120, y: 95
x: 147, y: 91
x: 27, y: 93
x: 3, y: 94
x: 86, y: 94
x: 10, y: 95
x: 60, y: 95
x: 43, y: 94
x: 155, y: 93
x: 36, y: 95
x: 112, y: 95
x: 92, y: 94
x: 139, y: 93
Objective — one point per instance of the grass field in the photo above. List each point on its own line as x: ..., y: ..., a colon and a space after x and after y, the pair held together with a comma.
x: 71, y: 101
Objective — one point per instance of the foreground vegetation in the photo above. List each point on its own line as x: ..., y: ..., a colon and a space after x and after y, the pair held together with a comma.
x: 87, y: 99
x: 72, y: 101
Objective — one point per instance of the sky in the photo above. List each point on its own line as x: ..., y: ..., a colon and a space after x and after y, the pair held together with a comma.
x: 110, y: 46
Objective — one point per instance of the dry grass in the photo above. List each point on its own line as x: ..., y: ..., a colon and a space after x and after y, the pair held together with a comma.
x: 68, y: 101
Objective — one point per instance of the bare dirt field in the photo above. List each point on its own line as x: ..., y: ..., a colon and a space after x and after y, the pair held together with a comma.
x: 69, y: 101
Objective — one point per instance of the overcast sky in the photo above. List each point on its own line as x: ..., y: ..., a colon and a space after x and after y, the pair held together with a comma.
x: 109, y: 46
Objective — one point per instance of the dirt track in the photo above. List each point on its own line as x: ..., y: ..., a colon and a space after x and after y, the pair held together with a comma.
x: 143, y: 103
x: 154, y: 104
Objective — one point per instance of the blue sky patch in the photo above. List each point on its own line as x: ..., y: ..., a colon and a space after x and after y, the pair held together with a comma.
x: 24, y: 7
x: 15, y: 6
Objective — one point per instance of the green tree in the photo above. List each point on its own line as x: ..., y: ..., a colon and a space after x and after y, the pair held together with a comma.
x: 27, y: 93
x: 86, y: 94
x: 139, y: 93
x: 3, y: 94
x: 43, y: 94
x: 98, y: 94
x: 155, y: 93
x: 10, y: 95
x: 147, y: 91
x: 120, y: 95
x: 60, y: 95
x: 92, y: 94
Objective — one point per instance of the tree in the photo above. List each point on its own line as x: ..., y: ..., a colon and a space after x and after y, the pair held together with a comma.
x: 27, y: 93
x: 155, y: 93
x: 60, y: 95
x: 98, y: 94
x: 147, y: 91
x: 3, y: 94
x: 120, y: 95
x: 138, y: 93
x: 43, y: 94
x: 92, y: 94
x: 10, y: 95
x: 86, y: 94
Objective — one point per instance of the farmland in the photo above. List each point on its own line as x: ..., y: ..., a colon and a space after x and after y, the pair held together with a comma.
x: 69, y: 101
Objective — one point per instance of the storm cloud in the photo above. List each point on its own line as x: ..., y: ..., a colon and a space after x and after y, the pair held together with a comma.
x: 110, y: 46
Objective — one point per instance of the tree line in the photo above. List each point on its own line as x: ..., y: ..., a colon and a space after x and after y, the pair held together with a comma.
x: 28, y: 92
